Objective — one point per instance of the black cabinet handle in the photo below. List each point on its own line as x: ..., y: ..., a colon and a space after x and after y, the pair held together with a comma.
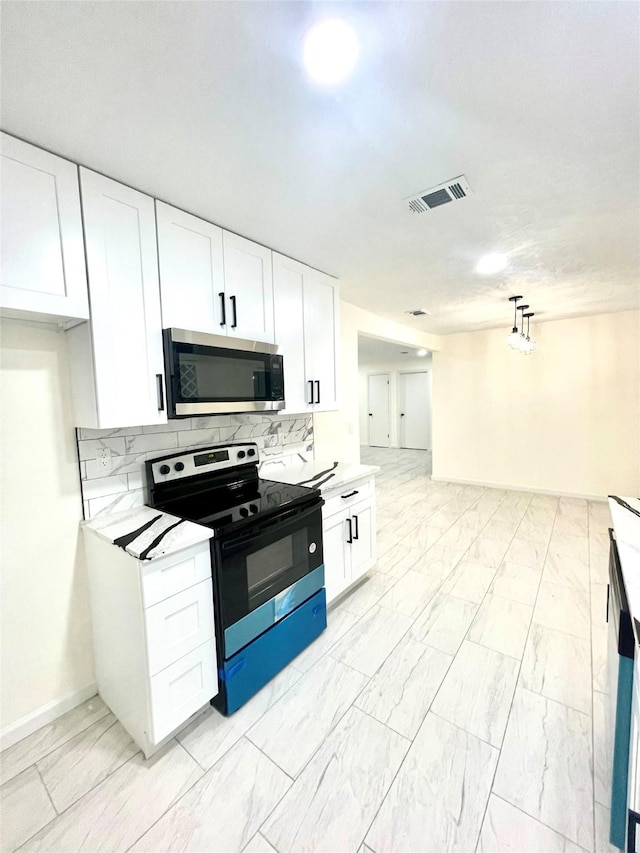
x: 310, y: 392
x: 350, y: 539
x: 318, y: 390
x: 234, y: 308
x: 355, y: 535
x: 370, y: 414
x: 160, y: 390
x: 349, y: 494
x: 401, y: 414
x: 608, y: 589
x: 223, y: 310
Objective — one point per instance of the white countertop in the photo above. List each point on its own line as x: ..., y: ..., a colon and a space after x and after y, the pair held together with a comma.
x: 626, y: 525
x: 163, y: 534
x: 317, y: 474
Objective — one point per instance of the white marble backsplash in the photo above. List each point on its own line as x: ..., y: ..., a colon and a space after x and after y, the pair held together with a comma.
x: 124, y: 485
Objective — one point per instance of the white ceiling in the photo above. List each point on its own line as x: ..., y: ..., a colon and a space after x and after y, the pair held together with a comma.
x: 372, y: 350
x: 205, y: 105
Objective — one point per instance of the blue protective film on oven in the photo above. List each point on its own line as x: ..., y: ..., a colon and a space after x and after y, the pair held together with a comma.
x: 259, y: 620
x: 245, y: 673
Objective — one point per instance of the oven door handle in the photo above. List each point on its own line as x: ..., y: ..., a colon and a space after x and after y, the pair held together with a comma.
x: 255, y: 532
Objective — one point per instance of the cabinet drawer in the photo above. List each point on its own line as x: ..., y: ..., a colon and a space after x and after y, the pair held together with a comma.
x: 163, y: 578
x: 349, y: 495
x: 183, y: 688
x: 178, y: 625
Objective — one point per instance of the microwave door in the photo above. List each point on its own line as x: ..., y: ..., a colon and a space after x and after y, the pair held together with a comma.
x: 206, y: 377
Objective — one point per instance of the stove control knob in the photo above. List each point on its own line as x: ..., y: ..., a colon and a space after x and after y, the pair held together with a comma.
x: 164, y: 469
x: 244, y: 512
x: 179, y: 466
x: 253, y: 508
x: 241, y: 454
x: 251, y: 452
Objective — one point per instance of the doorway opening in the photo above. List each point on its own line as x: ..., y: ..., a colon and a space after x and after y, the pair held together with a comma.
x: 395, y: 402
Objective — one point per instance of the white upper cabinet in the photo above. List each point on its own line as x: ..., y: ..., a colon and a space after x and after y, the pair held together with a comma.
x: 43, y: 266
x: 211, y: 280
x: 321, y: 306
x: 288, y: 296
x: 248, y: 283
x: 191, y: 271
x: 306, y: 306
x: 125, y: 384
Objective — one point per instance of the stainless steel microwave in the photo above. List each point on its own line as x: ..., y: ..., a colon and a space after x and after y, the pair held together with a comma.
x: 214, y: 374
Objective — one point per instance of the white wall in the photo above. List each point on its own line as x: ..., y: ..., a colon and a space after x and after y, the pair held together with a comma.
x: 566, y: 419
x: 393, y: 368
x: 337, y: 434
x: 46, y: 640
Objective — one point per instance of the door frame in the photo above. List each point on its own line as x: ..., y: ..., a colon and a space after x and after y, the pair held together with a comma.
x: 426, y: 370
x: 369, y: 375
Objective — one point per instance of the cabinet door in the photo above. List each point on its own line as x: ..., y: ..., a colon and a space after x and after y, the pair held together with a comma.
x: 321, y: 338
x: 288, y: 286
x: 334, y: 544
x: 122, y: 262
x: 191, y: 271
x: 43, y: 266
x: 363, y: 527
x: 248, y: 283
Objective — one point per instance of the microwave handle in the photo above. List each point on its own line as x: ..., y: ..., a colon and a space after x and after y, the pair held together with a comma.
x: 223, y: 310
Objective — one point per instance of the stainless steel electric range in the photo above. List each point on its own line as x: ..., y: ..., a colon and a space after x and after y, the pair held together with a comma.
x: 266, y: 556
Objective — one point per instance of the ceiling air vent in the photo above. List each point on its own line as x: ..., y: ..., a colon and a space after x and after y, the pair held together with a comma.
x: 417, y: 312
x: 453, y: 190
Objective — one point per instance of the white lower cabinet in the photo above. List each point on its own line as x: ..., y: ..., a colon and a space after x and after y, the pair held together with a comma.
x: 349, y: 537
x: 181, y: 689
x: 154, y: 637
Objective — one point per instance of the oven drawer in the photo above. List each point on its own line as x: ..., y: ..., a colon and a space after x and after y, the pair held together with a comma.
x: 162, y: 578
x: 182, y: 689
x: 178, y: 625
x: 349, y: 495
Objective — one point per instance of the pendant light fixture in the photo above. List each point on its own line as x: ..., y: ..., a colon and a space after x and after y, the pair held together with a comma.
x: 529, y: 345
x: 512, y: 338
x: 521, y: 342
x: 517, y: 339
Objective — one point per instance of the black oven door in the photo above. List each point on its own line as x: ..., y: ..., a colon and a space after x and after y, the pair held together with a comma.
x: 254, y: 566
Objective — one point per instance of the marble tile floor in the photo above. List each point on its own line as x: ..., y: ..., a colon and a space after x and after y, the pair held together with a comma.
x: 454, y: 703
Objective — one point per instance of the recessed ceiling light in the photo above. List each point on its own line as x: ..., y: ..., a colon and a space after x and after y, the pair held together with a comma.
x: 421, y: 352
x: 330, y: 51
x: 489, y: 264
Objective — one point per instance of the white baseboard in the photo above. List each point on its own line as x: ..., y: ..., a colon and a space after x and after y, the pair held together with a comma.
x: 509, y: 488
x: 52, y: 710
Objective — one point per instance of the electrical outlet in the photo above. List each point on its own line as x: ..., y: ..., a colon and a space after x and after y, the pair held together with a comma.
x: 104, y: 459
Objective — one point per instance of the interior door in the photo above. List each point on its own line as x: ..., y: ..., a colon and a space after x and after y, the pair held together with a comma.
x: 415, y: 411
x: 378, y: 414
